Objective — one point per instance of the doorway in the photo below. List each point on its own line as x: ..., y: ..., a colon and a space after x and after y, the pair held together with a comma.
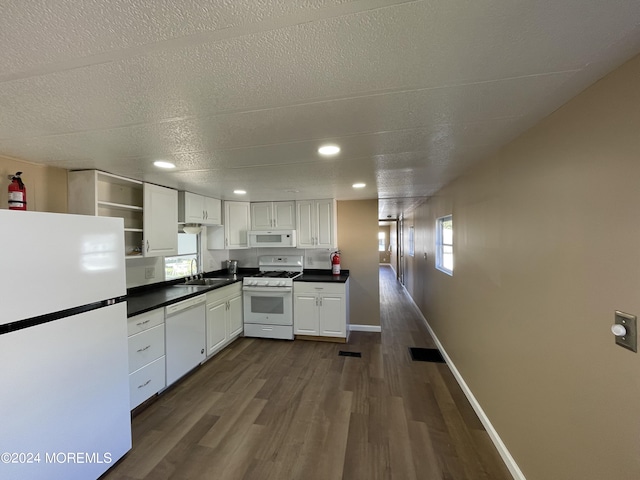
x: 388, y: 242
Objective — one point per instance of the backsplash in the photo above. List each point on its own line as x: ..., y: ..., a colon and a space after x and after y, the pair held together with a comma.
x: 145, y: 271
x: 313, y: 258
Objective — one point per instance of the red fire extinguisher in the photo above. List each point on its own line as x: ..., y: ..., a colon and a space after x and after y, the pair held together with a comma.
x: 335, y: 262
x: 17, y: 193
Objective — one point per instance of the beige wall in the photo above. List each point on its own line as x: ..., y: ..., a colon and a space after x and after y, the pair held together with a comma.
x: 46, y: 186
x: 358, y: 242
x: 547, y: 246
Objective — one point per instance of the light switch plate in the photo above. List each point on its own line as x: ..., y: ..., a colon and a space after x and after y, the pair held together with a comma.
x: 630, y: 340
x: 149, y: 272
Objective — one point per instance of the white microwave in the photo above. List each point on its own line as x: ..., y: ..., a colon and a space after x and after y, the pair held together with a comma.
x: 272, y: 238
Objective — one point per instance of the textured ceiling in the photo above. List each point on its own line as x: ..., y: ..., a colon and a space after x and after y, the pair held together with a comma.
x: 240, y: 94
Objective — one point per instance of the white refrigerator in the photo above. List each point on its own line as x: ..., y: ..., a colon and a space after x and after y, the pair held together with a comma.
x: 64, y: 389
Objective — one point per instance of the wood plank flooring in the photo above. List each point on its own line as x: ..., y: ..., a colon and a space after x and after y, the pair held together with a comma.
x: 279, y: 410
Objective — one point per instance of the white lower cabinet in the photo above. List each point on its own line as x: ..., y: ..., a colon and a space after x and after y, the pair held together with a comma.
x: 321, y: 309
x: 224, y: 317
x: 146, y: 356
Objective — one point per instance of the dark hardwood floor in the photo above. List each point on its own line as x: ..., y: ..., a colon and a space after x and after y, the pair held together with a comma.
x: 269, y: 409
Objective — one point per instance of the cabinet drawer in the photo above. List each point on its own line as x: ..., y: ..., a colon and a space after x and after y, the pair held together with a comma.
x: 214, y: 296
x: 145, y: 382
x: 319, y: 288
x: 268, y: 331
x: 145, y: 321
x: 145, y: 347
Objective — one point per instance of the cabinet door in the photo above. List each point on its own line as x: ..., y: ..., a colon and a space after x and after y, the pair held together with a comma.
x: 305, y: 315
x: 305, y: 219
x: 236, y: 224
x: 216, y: 326
x: 325, y: 227
x: 212, y: 211
x: 234, y: 315
x: 193, y: 208
x: 333, y: 321
x: 160, y: 221
x: 261, y: 216
x: 284, y: 215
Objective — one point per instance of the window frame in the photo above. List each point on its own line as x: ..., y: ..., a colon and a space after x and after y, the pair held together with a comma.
x: 197, y: 254
x: 440, y: 244
x: 412, y: 242
x: 382, y: 236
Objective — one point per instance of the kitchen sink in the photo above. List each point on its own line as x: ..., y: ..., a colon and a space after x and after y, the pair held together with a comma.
x: 205, y: 281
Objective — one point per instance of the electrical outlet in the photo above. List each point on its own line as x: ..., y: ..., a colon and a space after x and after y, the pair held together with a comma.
x: 150, y: 272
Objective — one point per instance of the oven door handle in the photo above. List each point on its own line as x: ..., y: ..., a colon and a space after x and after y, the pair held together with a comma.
x: 274, y: 290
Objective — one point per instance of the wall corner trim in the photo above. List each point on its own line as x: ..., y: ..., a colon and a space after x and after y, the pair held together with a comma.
x: 493, y: 434
x: 365, y: 328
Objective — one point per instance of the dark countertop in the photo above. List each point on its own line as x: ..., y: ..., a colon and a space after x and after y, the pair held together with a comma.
x: 323, y: 276
x: 149, y: 297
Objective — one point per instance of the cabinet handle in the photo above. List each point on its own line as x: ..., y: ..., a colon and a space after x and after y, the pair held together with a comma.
x: 320, y: 301
x: 139, y: 324
x: 316, y: 301
x: 203, y: 215
x: 147, y: 245
x: 143, y: 349
x: 226, y: 242
x: 145, y: 384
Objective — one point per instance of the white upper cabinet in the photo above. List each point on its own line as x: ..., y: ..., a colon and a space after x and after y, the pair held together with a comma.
x: 160, y: 221
x: 316, y: 223
x: 212, y: 211
x: 190, y: 207
x: 236, y: 224
x: 150, y: 212
x: 193, y: 208
x: 273, y: 216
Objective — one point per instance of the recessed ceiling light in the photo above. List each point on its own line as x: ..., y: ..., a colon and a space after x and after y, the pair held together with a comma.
x: 329, y: 150
x: 161, y: 164
x: 359, y: 185
x: 239, y: 192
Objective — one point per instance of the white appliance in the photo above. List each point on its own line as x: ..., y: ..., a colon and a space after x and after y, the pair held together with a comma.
x: 185, y: 336
x: 268, y: 297
x: 264, y: 238
x: 63, y: 346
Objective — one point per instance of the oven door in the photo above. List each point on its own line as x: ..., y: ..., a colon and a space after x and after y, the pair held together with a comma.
x: 268, y: 305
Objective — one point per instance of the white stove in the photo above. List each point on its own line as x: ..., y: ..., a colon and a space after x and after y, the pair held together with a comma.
x: 268, y: 297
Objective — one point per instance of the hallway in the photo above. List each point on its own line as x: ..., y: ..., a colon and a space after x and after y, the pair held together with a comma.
x: 269, y: 409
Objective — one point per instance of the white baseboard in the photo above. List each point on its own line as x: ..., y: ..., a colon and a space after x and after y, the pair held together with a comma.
x: 365, y: 328
x: 493, y: 434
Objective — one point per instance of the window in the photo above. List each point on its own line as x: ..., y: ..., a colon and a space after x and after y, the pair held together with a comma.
x: 444, y: 244
x: 187, y: 261
x: 382, y: 245
x: 412, y: 242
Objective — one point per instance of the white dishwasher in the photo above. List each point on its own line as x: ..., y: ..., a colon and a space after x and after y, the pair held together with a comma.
x: 185, y: 336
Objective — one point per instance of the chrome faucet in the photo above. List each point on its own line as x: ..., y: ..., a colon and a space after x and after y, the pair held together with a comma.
x: 193, y: 260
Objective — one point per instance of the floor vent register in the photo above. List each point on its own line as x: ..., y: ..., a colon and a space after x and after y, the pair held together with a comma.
x: 342, y: 353
x: 426, y: 355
